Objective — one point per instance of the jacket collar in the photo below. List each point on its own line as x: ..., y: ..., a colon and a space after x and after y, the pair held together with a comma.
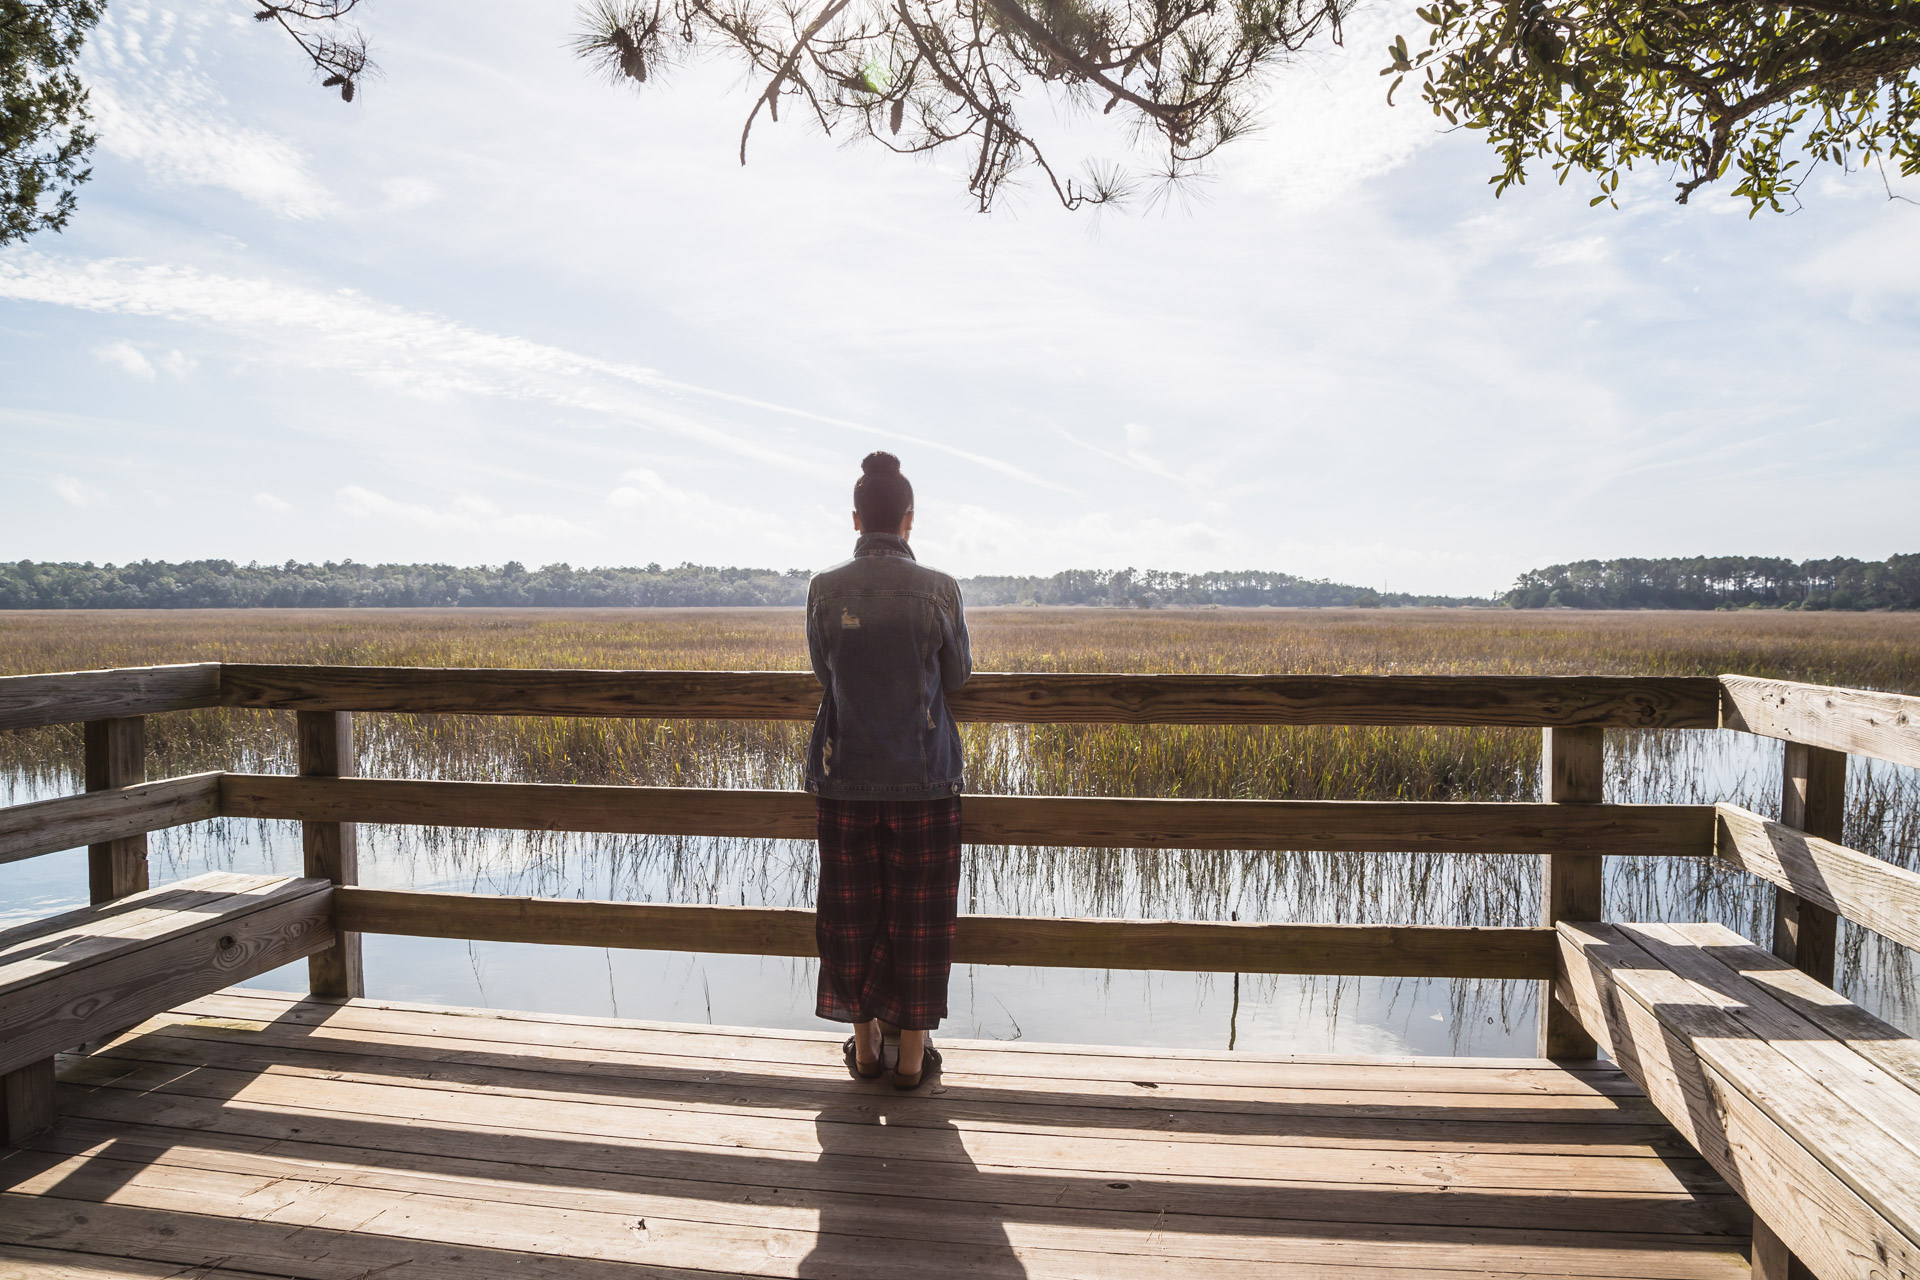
x: 883, y: 544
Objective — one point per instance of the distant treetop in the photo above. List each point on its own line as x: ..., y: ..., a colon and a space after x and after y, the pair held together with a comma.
x: 1722, y: 582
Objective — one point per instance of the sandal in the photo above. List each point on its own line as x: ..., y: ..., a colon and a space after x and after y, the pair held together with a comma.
x: 929, y: 1060
x: 853, y: 1062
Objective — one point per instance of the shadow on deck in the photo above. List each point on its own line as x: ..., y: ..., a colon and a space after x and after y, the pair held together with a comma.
x: 251, y: 1134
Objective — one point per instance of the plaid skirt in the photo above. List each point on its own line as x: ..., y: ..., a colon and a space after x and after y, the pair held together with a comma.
x: 889, y: 887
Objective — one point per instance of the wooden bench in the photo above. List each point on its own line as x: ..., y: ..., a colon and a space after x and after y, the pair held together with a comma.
x: 1805, y: 1103
x: 91, y: 974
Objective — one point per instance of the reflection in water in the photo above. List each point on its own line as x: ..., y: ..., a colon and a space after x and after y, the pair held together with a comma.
x: 1271, y: 1012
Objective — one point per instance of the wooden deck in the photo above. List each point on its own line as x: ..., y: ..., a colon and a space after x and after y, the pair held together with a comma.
x: 251, y: 1134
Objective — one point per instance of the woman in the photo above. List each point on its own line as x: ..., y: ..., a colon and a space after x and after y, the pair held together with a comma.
x: 888, y: 642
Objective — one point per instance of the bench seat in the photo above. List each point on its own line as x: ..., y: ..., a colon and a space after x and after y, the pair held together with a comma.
x: 1808, y: 1105
x: 93, y: 973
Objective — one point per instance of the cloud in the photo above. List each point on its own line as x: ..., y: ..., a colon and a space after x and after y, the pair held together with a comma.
x: 77, y: 492
x: 1568, y: 253
x: 269, y: 502
x: 975, y: 535
x: 154, y: 108
x: 644, y: 494
x: 468, y: 514
x: 409, y: 192
x: 1326, y: 126
x: 390, y: 346
x: 131, y: 360
x: 430, y: 356
x: 127, y: 358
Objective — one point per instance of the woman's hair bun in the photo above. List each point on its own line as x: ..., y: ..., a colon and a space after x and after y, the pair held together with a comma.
x: 881, y: 496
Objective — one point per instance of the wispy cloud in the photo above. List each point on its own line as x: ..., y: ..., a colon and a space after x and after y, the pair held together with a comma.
x: 427, y: 355
x: 131, y: 360
x: 76, y: 493
x: 156, y: 109
x: 127, y: 358
x: 468, y: 513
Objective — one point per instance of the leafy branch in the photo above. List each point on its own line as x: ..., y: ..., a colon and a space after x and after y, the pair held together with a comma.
x: 1705, y: 87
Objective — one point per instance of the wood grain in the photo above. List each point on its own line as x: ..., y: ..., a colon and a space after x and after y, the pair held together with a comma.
x: 67, y: 822
x: 28, y: 702
x: 1882, y: 1044
x: 1189, y: 946
x: 116, y: 756
x: 1821, y: 1175
x: 1864, y: 889
x: 1076, y: 822
x: 1672, y: 702
x: 1572, y: 772
x: 97, y: 981
x: 1883, y: 725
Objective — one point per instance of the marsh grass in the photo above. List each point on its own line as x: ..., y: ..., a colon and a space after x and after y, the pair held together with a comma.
x: 1872, y: 651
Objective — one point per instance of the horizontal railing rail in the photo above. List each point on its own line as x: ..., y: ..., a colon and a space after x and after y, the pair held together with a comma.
x: 70, y: 697
x: 1885, y: 726
x: 1672, y: 702
x: 1437, y: 951
x: 1867, y: 890
x: 94, y: 817
x: 1649, y: 702
x: 1396, y: 826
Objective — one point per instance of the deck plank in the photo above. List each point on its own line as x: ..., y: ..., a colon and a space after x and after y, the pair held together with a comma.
x: 257, y: 1135
x: 1146, y: 1154
x: 687, y: 1234
x: 777, y: 1053
x: 1412, y: 1122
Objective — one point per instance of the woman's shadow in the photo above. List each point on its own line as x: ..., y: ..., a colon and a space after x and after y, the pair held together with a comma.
x: 897, y: 1183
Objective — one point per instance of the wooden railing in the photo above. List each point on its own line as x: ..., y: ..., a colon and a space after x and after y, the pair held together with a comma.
x: 1571, y: 830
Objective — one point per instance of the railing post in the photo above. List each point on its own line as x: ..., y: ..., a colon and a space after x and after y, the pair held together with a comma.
x: 116, y: 753
x: 1572, y: 770
x: 1813, y: 799
x: 325, y: 748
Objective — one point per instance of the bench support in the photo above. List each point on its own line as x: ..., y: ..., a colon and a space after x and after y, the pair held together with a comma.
x: 1772, y: 1260
x: 26, y: 1101
x: 1572, y: 769
x: 325, y: 749
x: 116, y: 752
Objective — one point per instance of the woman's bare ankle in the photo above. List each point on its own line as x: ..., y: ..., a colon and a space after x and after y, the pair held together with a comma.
x: 866, y: 1043
x: 913, y: 1046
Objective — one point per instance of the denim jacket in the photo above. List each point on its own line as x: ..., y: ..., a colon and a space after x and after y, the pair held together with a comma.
x: 888, y: 641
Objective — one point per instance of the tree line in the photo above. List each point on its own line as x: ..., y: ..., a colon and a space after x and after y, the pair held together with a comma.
x: 1722, y: 582
x: 1695, y: 582
x: 227, y: 584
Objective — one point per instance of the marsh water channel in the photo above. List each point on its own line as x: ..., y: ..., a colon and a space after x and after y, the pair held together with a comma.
x: 1272, y: 1013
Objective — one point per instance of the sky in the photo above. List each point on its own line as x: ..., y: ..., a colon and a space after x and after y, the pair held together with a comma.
x: 499, y: 309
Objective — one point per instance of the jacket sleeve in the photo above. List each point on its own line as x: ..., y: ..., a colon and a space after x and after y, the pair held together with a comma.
x: 816, y: 642
x: 956, y: 651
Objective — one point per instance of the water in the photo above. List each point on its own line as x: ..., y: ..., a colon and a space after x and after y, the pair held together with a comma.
x: 1272, y: 1013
